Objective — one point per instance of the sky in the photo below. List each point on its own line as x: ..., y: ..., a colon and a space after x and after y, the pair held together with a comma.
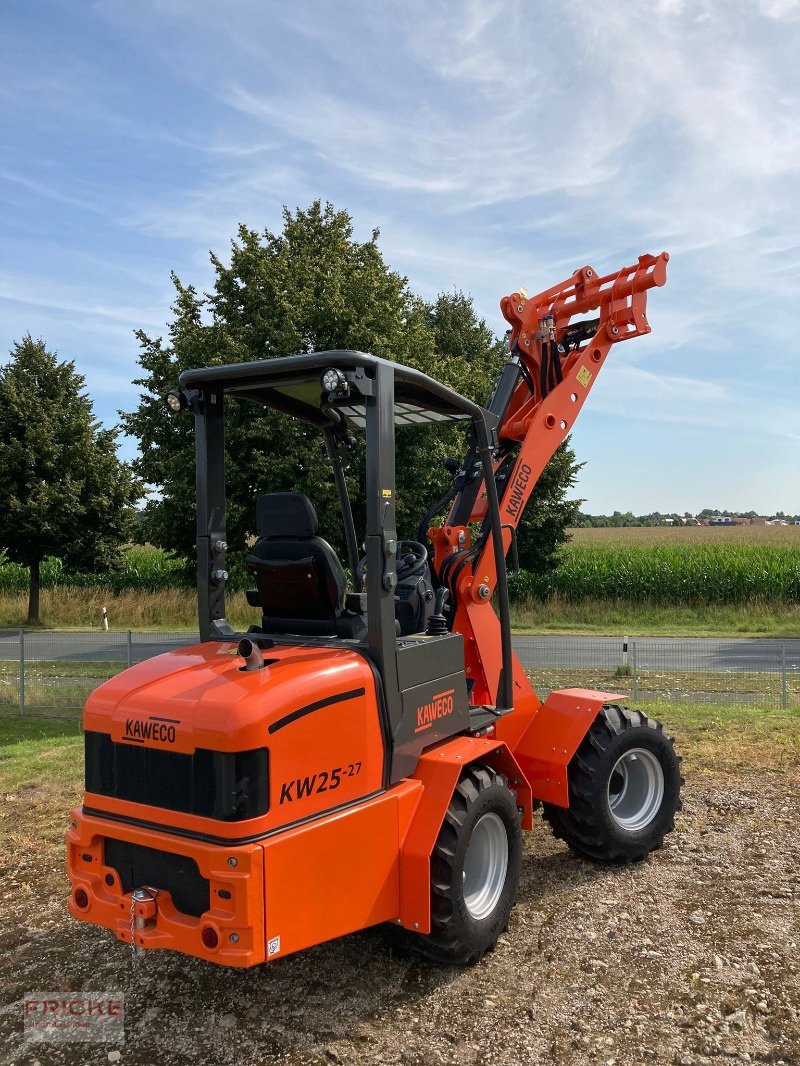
x: 494, y: 143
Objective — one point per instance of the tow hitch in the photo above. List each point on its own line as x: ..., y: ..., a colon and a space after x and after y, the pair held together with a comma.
x: 144, y: 908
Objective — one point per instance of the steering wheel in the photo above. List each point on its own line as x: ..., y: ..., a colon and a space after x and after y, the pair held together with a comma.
x: 411, y: 557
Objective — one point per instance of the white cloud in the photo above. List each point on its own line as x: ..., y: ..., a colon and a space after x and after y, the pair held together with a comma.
x: 472, y: 163
x: 780, y: 10
x: 52, y: 192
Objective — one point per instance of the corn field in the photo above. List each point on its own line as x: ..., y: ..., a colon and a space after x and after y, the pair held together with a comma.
x: 689, y: 573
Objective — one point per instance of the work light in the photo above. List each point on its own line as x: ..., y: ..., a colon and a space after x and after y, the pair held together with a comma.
x: 333, y: 380
x: 174, y: 402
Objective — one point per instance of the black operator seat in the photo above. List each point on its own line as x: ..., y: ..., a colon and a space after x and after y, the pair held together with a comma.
x: 300, y: 583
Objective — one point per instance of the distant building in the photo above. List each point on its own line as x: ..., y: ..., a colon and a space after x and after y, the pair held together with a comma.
x: 721, y: 520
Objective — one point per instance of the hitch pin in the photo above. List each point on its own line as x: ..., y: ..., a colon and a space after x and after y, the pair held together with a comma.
x: 144, y: 907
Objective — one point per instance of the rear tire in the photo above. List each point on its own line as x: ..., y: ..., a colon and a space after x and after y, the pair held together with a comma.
x: 624, y: 789
x: 475, y: 869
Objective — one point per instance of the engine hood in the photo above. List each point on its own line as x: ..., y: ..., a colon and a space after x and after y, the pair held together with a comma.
x: 191, y: 743
x: 200, y: 697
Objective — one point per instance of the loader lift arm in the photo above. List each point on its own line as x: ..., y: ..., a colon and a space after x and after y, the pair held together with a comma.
x: 555, y: 357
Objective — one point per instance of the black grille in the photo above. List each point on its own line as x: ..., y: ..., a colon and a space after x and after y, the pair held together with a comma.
x: 227, y: 786
x: 179, y: 875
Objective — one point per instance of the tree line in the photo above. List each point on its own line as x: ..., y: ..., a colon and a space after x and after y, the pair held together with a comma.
x: 309, y: 287
x: 625, y: 519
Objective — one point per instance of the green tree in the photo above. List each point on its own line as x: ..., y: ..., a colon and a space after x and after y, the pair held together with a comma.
x: 64, y: 490
x: 468, y: 355
x: 312, y: 286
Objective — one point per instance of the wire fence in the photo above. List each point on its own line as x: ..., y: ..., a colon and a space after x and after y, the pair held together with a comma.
x: 759, y: 673
x: 53, y: 673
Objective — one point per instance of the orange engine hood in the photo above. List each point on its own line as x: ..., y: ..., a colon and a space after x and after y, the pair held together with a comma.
x: 199, y: 697
x: 315, y: 711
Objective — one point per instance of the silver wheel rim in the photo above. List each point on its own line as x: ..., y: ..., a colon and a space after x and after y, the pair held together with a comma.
x: 485, y: 865
x: 635, y: 789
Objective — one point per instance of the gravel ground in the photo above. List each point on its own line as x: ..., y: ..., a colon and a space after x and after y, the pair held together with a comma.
x: 689, y: 958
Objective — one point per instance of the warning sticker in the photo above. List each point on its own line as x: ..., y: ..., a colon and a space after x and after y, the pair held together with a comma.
x: 584, y: 376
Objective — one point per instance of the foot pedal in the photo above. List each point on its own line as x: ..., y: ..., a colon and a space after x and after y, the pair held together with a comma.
x: 481, y: 720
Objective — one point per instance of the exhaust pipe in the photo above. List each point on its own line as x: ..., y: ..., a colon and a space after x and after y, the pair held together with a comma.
x: 251, y: 653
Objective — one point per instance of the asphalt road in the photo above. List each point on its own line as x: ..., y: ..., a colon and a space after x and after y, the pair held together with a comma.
x: 663, y: 653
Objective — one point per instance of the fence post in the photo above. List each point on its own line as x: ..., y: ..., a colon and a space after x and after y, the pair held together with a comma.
x: 784, y: 680
x: 129, y: 649
x: 22, y: 671
x: 634, y: 678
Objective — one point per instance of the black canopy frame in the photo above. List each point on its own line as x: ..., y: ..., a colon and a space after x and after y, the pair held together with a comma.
x: 378, y: 395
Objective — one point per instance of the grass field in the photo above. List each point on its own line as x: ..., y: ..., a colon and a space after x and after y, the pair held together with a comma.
x: 35, y: 752
x: 668, y: 688
x: 176, y: 609
x: 71, y: 607
x: 52, y: 688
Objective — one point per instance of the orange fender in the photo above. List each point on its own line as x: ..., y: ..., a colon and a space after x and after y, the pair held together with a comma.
x: 438, y: 771
x: 546, y: 747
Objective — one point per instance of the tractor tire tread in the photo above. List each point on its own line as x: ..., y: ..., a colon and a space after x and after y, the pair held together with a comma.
x: 581, y: 826
x: 445, y: 944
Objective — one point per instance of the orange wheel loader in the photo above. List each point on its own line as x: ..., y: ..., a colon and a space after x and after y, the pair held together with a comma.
x: 370, y: 754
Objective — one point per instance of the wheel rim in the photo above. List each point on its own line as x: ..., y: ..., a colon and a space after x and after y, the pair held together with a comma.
x: 635, y: 789
x: 485, y: 865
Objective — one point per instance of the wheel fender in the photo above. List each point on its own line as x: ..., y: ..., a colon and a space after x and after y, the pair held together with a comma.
x: 438, y: 772
x: 546, y: 747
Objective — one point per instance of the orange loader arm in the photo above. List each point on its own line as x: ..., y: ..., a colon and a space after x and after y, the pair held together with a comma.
x: 555, y: 359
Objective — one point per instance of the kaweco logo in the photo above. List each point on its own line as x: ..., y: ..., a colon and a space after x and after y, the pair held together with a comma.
x: 438, y: 707
x: 162, y: 730
x: 518, y: 486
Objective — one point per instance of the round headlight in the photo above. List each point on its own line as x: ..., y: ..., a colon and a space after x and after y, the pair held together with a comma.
x: 332, y: 379
x: 174, y: 402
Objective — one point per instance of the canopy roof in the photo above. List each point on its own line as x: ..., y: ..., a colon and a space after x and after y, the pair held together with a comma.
x: 292, y: 385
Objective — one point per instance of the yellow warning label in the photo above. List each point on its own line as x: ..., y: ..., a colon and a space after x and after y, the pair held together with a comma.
x: 386, y: 493
x: 584, y: 376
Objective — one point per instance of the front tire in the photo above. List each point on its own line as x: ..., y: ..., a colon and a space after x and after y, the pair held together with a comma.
x: 624, y: 789
x: 475, y: 869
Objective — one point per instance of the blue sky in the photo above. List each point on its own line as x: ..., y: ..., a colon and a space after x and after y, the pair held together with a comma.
x: 495, y: 144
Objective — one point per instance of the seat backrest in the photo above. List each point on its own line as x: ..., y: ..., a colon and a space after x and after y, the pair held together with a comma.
x: 297, y: 573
